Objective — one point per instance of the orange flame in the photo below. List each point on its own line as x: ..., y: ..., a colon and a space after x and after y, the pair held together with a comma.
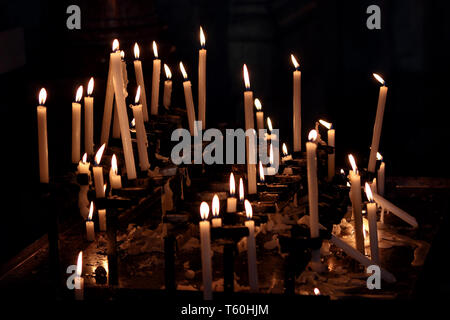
x: 138, y: 95
x: 91, y: 211
x: 202, y: 38
x: 379, y: 78
x: 353, y: 163
x: 241, y: 189
x: 90, y: 88
x: 368, y: 191
x: 79, y: 94
x: 42, y: 96
x: 98, y: 156
x: 80, y: 264
x: 183, y: 71
x: 312, y: 136
x: 246, y: 78
x: 261, y: 172
x: 168, y: 72
x: 295, y: 62
x: 115, y: 45
x: 325, y: 124
x: 114, y: 164
x: 248, y: 209
x: 258, y: 104
x: 136, y: 51
x: 232, y: 185
x: 155, y: 50
x: 204, y: 210
x: 215, y: 206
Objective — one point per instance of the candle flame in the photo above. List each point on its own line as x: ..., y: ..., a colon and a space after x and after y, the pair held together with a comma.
x: 342, y: 171
x: 258, y: 104
x: 183, y: 71
x: 232, y: 185
x: 368, y: 191
x: 269, y: 124
x: 271, y: 154
x: 122, y: 55
x: 285, y: 150
x: 155, y: 50
x: 42, y: 96
x: 84, y: 159
x: 248, y: 209
x: 168, y: 72
x: 325, y: 124
x: 353, y: 163
x: 138, y: 95
x: 241, y: 189
x: 246, y: 78
x: 379, y: 156
x: 90, y: 88
x: 79, y: 94
x: 91, y: 211
x: 104, y: 187
x: 115, y: 45
x: 215, y: 206
x: 312, y: 136
x: 261, y: 172
x: 202, y: 38
x: 317, y: 291
x: 204, y: 210
x: 136, y: 51
x: 80, y: 264
x: 295, y: 62
x: 379, y: 78
x: 133, y: 122
x: 114, y: 164
x: 348, y: 184
x: 98, y: 155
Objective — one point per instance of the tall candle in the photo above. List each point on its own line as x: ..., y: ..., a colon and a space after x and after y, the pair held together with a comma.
x: 189, y: 101
x: 251, y: 248
x: 313, y: 194
x: 42, y: 137
x: 98, y: 173
x: 167, y: 87
x: 381, y: 175
x: 331, y: 142
x: 249, y: 124
x: 141, y: 135
x: 89, y: 119
x: 373, y: 229
x: 122, y: 116
x: 378, y: 123
x: 79, y: 281
x: 231, y: 200
x: 140, y: 81
x: 296, y: 105
x: 205, y: 241
x: 388, y: 206
x: 76, y: 125
x: 115, y: 180
x: 90, y: 233
x: 355, y: 181
x: 116, y: 124
x: 124, y: 73
x: 216, y: 221
x: 102, y: 219
x: 155, y: 80
x: 259, y: 115
x: 202, y: 80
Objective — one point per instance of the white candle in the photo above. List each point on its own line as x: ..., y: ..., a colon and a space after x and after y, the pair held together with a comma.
x: 373, y: 229
x: 270, y: 171
x: 140, y: 81
x: 79, y: 281
x: 122, y: 116
x: 167, y: 88
x: 89, y: 119
x: 102, y: 219
x: 286, y: 155
x: 90, y: 233
x: 189, y: 101
x: 249, y: 124
x: 124, y: 73
x: 355, y: 181
x: 155, y: 80
x: 259, y: 115
x: 251, y: 248
x: 231, y: 200
x: 331, y: 142
x: 83, y: 166
x: 297, y: 118
x: 98, y: 173
x: 216, y: 221
x: 115, y: 180
x: 378, y: 124
x: 76, y: 125
x: 313, y: 196
x: 205, y: 241
x: 381, y: 175
x: 202, y: 80
x: 42, y: 137
x: 141, y: 135
x: 387, y: 205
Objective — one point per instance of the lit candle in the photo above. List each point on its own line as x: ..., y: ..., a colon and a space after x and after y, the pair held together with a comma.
x: 42, y: 137
x: 79, y: 281
x: 380, y: 175
x: 261, y: 173
x: 102, y: 219
x: 167, y: 87
x: 90, y: 233
x: 141, y: 135
x: 89, y: 119
x: 241, y: 190
x: 378, y: 124
x: 313, y: 197
x: 271, y: 170
x: 331, y: 142
x: 155, y: 80
x: 123, y: 116
x: 216, y: 221
x: 286, y: 155
x: 83, y: 166
x: 231, y: 200
x: 140, y: 80
x: 373, y: 230
x: 189, y: 101
x: 251, y: 248
x: 124, y: 73
x: 109, y: 98
x: 355, y: 181
x: 297, y: 118
x: 76, y: 125
x: 259, y: 115
x: 98, y: 173
x: 202, y: 80
x: 205, y: 241
x: 249, y: 124
x: 115, y: 180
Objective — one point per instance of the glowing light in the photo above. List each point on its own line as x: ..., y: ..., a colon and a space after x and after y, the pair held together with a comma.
x: 138, y: 95
x: 136, y: 51
x: 379, y: 156
x: 295, y: 62
x: 241, y: 189
x: 325, y: 124
x: 368, y: 191
x: 379, y: 78
x: 114, y: 164
x: 133, y: 122
x: 80, y: 264
x: 248, y: 209
x: 168, y: 72
x: 258, y: 104
x: 183, y: 71
x: 42, y: 96
x: 99, y: 154
x: 312, y: 136
x: 246, y: 78
x: 271, y: 154
x: 155, y: 50
x: 115, y: 45
x: 122, y: 55
x: 204, y: 210
x: 261, y: 172
x: 202, y: 38
x: 342, y: 171
x: 232, y: 185
x: 79, y: 94
x: 84, y: 159
x: 285, y: 150
x: 269, y: 124
x: 91, y: 211
x: 215, y: 206
x: 317, y: 291
x: 353, y: 163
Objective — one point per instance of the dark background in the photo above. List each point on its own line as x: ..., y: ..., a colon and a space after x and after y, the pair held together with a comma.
x: 337, y: 53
